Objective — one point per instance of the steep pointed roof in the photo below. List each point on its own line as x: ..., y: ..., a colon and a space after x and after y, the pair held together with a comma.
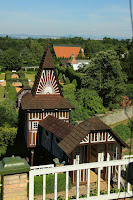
x: 46, y: 91
x: 46, y: 63
x: 72, y: 60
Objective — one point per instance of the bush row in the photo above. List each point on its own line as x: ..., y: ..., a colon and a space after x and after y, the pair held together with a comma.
x: 70, y: 73
x: 38, y: 184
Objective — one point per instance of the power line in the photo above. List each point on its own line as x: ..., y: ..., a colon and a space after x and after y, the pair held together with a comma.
x: 131, y: 16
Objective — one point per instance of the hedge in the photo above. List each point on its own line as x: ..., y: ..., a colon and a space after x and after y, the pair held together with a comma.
x: 123, y: 131
x: 70, y: 73
x: 38, y: 184
x: 2, y: 91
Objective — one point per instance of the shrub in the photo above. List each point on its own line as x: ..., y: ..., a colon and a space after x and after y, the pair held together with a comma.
x: 8, y: 75
x: 11, y: 94
x: 38, y: 183
x: 2, y: 92
x: 123, y: 131
x: 67, y: 81
x: 21, y: 74
x: 114, y: 106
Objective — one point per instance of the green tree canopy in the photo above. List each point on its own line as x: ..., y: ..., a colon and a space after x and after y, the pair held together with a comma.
x: 11, y: 60
x: 104, y: 74
x: 123, y: 131
x: 87, y: 102
x: 8, y: 113
x: 7, y: 136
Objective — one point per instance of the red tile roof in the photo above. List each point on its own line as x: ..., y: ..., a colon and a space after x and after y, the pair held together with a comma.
x: 56, y: 126
x: 46, y: 101
x: 67, y: 51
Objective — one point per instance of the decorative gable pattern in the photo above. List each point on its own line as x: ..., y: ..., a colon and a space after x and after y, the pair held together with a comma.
x: 48, y: 83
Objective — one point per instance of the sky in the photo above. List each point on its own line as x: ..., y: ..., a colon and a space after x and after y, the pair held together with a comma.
x: 95, y: 18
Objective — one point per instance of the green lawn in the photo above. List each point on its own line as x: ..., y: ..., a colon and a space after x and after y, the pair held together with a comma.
x: 2, y: 76
x: 30, y: 77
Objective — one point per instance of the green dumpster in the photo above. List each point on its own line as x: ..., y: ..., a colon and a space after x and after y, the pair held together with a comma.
x: 13, y: 165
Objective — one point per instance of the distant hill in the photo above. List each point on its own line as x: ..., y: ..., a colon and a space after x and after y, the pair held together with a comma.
x: 25, y: 36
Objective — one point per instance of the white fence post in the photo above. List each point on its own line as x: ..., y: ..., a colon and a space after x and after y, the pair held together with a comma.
x: 77, y: 185
x: 55, y: 187
x: 67, y: 185
x: 88, y: 183
x: 98, y: 181
x: 31, y: 186
x: 44, y: 186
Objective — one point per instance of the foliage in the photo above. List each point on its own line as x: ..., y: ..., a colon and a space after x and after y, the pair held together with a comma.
x: 74, y: 82
x: 129, y: 91
x: 8, y: 75
x: 2, y: 76
x: 2, y: 91
x: 106, y: 77
x: 21, y: 74
x: 11, y: 93
x: 8, y: 113
x: 127, y: 63
x: 7, y: 136
x: 87, y: 102
x: 113, y: 106
x: 90, y: 100
x: 38, y: 184
x: 12, y: 60
x: 67, y: 81
x: 60, y: 77
x: 123, y: 131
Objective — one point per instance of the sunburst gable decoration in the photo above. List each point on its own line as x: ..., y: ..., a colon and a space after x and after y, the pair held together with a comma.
x: 48, y: 83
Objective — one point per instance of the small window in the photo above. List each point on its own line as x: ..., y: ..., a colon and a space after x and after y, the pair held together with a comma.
x: 47, y: 133
x: 57, y: 140
x: 35, y: 125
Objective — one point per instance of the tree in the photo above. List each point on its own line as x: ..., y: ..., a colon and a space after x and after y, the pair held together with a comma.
x: 127, y: 65
x: 8, y: 113
x: 90, y: 100
x: 67, y: 81
x: 123, y: 131
x: 87, y: 102
x: 7, y: 136
x: 104, y: 74
x: 12, y: 60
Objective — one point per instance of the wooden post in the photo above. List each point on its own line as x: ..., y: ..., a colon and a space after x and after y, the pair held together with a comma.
x: 105, y: 169
x: 89, y: 153
x: 32, y: 157
x: 120, y: 152
x: 72, y: 160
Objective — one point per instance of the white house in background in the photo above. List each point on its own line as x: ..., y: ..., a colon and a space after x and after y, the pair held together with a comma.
x: 77, y: 63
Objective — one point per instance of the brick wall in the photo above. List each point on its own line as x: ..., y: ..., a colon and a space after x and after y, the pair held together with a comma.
x: 14, y: 187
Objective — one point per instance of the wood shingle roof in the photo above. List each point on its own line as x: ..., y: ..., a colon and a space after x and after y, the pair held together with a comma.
x: 47, y: 101
x: 56, y: 126
x: 77, y: 134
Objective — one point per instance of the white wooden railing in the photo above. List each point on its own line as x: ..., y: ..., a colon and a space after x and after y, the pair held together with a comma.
x: 41, y: 167
x: 88, y: 166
